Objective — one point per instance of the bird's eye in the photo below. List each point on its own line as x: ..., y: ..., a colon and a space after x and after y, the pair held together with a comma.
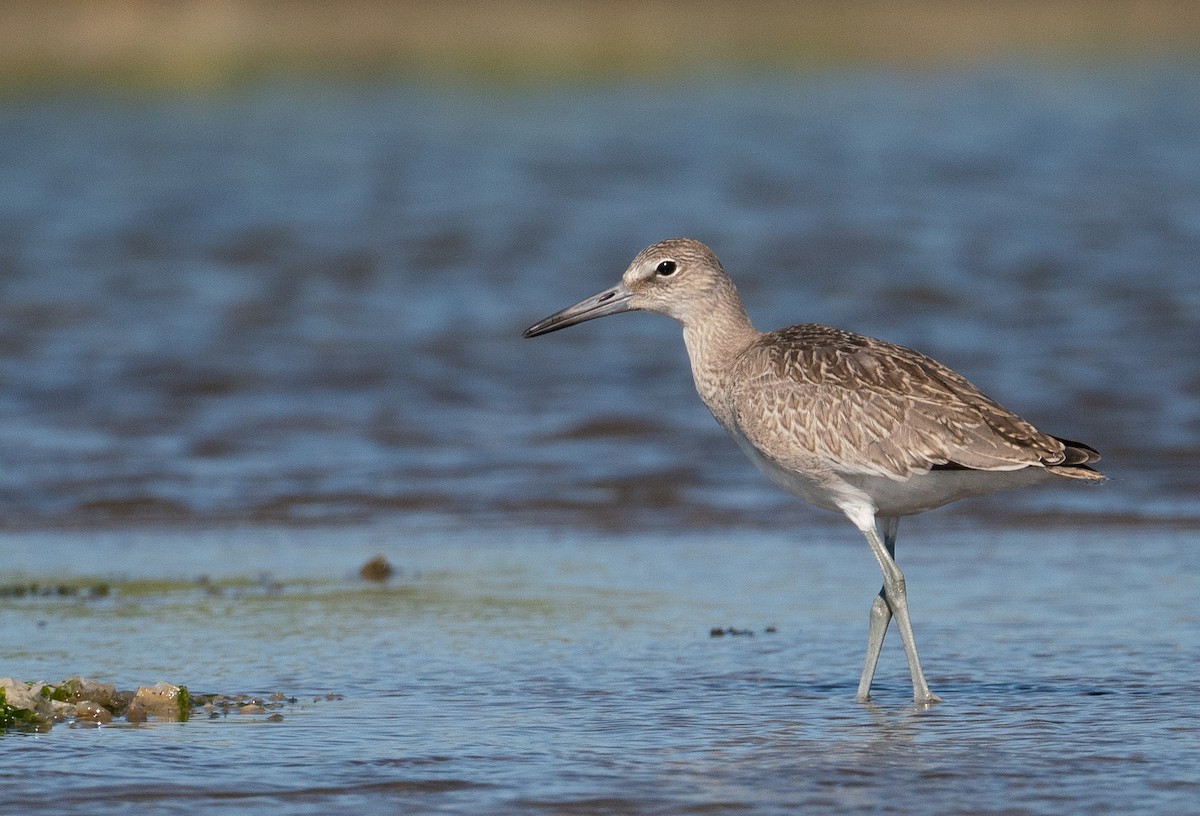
x: 666, y: 268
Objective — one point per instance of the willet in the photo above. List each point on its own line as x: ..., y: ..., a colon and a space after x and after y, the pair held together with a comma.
x: 874, y: 430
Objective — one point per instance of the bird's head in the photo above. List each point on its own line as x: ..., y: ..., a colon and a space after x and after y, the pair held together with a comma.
x: 680, y: 278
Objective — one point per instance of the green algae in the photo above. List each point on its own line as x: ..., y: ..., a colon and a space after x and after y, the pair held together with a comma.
x: 17, y: 718
x: 184, y: 701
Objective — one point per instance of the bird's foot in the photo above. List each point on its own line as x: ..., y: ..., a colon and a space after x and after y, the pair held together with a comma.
x: 926, y: 700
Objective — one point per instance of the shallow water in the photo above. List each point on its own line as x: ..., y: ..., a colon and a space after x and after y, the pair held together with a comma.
x: 519, y: 672
x: 262, y: 337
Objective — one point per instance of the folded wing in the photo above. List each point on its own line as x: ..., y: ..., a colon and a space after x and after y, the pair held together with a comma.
x: 811, y: 395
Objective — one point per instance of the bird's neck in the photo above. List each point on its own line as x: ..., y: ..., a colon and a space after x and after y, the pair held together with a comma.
x: 714, y: 342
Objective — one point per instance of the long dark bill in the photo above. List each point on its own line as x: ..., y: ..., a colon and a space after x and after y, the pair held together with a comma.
x: 609, y: 302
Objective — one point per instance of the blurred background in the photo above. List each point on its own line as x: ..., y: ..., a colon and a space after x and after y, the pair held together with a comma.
x: 270, y: 261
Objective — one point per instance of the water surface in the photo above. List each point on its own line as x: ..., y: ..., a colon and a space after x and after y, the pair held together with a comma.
x: 518, y: 673
x: 303, y: 303
x: 249, y: 341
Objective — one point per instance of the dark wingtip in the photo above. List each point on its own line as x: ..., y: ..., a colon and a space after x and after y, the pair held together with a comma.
x: 1076, y: 456
x: 1077, y: 453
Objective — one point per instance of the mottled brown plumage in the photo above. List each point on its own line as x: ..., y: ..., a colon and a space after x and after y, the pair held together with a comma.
x: 877, y: 408
x: 874, y: 430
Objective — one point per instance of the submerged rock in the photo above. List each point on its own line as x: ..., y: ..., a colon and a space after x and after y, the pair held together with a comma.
x: 37, y: 706
x: 22, y: 705
x: 79, y: 688
x: 91, y: 711
x: 164, y: 700
x: 377, y: 569
x: 79, y: 701
x: 136, y: 713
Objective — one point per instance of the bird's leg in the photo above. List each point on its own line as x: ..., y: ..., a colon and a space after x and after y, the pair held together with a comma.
x: 895, y: 595
x: 881, y: 616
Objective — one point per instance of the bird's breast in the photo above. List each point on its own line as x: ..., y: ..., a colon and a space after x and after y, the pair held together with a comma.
x: 814, y: 484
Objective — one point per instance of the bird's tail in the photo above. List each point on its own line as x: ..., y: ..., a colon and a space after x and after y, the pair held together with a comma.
x: 1077, y: 463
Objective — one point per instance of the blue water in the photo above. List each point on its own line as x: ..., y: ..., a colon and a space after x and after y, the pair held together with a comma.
x: 572, y: 673
x: 297, y: 303
x: 263, y: 336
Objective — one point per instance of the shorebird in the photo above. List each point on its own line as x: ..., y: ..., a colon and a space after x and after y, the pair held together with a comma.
x: 849, y: 423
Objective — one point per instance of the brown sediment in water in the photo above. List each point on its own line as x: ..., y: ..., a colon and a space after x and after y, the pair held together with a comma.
x: 198, y: 44
x: 377, y: 569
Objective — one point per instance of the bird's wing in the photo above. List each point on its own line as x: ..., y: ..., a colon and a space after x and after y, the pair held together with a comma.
x: 812, y: 396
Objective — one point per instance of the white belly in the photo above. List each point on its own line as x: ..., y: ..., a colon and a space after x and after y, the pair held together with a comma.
x: 937, y: 487
x: 853, y: 493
